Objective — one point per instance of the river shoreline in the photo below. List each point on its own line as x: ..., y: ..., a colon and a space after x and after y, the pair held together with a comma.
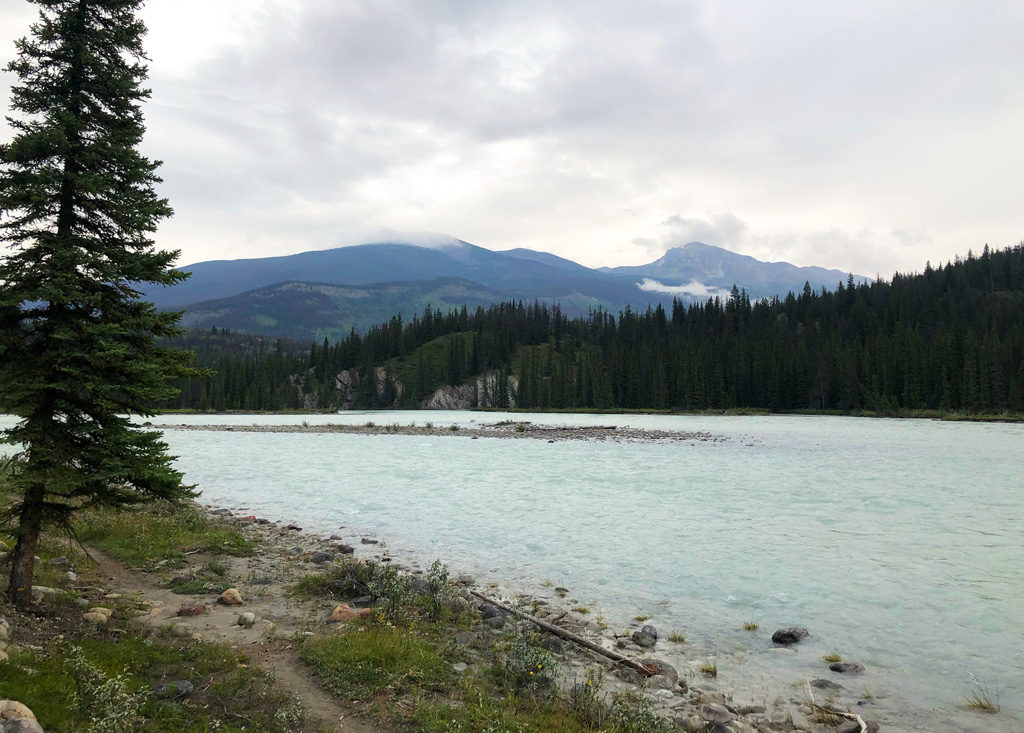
x: 685, y: 694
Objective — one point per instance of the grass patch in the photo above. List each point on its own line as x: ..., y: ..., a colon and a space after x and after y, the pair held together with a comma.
x: 88, y: 682
x: 362, y: 662
x: 155, y: 534
x: 832, y: 658
x: 751, y: 626
x: 641, y: 618
x: 677, y: 637
x: 709, y: 668
x: 581, y: 609
x: 981, y: 701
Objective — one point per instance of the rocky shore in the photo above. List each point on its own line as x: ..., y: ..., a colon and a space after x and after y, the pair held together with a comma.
x: 509, y: 430
x: 687, y: 697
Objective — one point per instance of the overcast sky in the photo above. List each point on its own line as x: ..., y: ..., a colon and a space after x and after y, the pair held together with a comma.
x: 867, y: 136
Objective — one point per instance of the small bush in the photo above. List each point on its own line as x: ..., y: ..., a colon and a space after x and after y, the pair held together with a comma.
x: 529, y: 666
x: 390, y: 589
x: 677, y: 637
x: 750, y: 626
x: 439, y: 591
x: 831, y: 658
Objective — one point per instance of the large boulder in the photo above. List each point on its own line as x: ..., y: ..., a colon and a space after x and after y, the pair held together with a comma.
x: 17, y: 718
x: 659, y: 667
x: 42, y: 594
x: 646, y: 637
x: 716, y: 714
x: 790, y: 635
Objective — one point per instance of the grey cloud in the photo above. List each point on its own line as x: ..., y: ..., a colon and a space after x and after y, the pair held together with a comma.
x: 599, y: 130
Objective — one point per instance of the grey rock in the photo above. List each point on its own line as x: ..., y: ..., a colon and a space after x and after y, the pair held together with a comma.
x: 463, y: 637
x: 345, y: 549
x: 247, y: 619
x: 847, y: 667
x: 336, y: 537
x: 420, y: 586
x: 662, y: 669
x: 369, y: 541
x: 691, y: 724
x: 790, y: 635
x: 716, y: 714
x: 293, y: 527
x: 362, y: 602
x: 850, y: 726
x: 489, y: 611
x: 553, y: 644
x: 660, y: 682
x: 70, y: 577
x: 82, y: 602
x: 644, y: 639
x: 460, y: 666
x: 262, y: 580
x: 465, y: 579
x: 321, y: 557
x: 43, y: 594
x: 176, y: 689
x: 20, y: 725
x: 495, y: 622
x: 628, y: 674
x: 60, y: 562
x: 295, y: 550
x: 826, y: 684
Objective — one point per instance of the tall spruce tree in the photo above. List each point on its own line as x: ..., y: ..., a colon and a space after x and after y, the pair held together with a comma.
x: 79, y: 348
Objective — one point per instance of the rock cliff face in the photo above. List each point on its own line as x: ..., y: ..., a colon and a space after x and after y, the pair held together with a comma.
x: 485, y: 391
x: 347, y: 383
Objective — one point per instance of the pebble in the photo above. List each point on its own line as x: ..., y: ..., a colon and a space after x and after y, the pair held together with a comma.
x: 95, y: 618
x: 192, y: 609
x: 320, y: 558
x: 344, y: 613
x: 460, y: 666
x: 230, y: 597
x: 247, y: 619
x: 847, y: 667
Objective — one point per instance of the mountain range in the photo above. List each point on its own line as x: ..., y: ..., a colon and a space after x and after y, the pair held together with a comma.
x: 326, y: 293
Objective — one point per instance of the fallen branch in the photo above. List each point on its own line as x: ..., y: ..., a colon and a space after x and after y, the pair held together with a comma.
x: 569, y: 636
x: 832, y: 711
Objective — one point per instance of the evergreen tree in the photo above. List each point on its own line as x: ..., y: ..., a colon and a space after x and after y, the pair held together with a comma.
x: 78, y: 348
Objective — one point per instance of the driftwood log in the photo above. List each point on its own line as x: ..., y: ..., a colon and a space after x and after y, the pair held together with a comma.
x: 569, y: 636
x: 832, y: 711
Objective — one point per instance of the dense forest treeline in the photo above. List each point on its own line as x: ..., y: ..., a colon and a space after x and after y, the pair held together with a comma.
x: 950, y: 338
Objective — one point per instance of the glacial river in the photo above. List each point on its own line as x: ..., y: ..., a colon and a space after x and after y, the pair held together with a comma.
x: 898, y: 543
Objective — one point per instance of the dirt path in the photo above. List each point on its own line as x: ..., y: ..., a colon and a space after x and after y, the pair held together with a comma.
x: 270, y: 643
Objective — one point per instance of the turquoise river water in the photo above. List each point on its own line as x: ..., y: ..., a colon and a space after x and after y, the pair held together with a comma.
x: 897, y: 543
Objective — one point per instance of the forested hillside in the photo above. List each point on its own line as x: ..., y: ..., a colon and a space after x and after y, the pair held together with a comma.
x: 950, y: 338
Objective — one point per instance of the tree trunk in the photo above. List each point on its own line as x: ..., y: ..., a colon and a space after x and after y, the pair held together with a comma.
x: 23, y: 559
